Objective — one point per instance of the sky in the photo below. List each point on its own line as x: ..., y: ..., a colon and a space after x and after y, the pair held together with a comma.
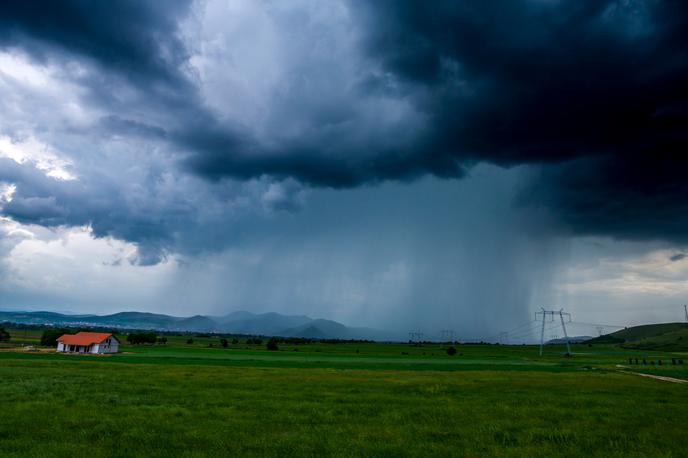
x: 391, y: 164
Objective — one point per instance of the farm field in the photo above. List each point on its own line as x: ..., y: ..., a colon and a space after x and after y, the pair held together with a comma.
x: 353, y: 399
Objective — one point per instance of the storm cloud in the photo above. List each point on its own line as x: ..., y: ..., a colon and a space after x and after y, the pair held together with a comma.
x: 591, y: 93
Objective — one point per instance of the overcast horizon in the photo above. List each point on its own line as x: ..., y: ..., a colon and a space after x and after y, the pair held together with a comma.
x: 388, y: 164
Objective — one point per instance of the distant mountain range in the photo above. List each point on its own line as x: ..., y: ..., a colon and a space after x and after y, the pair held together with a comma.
x: 241, y: 322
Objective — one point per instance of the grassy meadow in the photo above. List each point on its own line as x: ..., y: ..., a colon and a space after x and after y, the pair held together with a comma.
x: 353, y: 399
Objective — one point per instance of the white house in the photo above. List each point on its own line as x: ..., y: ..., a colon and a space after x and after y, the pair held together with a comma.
x: 88, y: 342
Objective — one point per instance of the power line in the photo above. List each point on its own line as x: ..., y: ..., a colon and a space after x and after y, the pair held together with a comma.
x: 530, y: 332
x: 597, y: 324
x: 510, y: 331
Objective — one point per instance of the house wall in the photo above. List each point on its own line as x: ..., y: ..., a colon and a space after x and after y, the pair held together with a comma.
x: 109, y: 345
x: 60, y: 347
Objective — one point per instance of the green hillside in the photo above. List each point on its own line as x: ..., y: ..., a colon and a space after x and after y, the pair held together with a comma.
x: 664, y: 336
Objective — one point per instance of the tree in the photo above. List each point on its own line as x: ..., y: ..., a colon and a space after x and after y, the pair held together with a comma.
x: 451, y: 351
x: 4, y: 335
x: 189, y: 341
x: 235, y: 341
x: 224, y: 343
x: 136, y: 338
x: 162, y: 340
x: 50, y: 336
x: 272, y: 344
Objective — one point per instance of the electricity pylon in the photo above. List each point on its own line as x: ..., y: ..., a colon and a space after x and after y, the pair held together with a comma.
x: 416, y: 336
x: 551, y: 313
x: 447, y: 335
x: 685, y: 309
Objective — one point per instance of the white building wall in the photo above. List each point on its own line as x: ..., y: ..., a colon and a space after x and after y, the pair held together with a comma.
x: 60, y: 347
x: 95, y: 348
x: 109, y: 345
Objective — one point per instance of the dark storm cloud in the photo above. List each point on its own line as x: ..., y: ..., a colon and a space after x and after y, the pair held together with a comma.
x: 596, y: 89
x: 592, y: 93
x: 138, y: 38
x: 634, y: 196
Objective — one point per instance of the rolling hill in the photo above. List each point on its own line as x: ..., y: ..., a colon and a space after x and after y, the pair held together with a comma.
x: 663, y: 336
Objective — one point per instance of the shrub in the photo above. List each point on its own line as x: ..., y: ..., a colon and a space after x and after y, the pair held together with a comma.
x: 224, y: 343
x: 189, y: 341
x: 136, y: 338
x: 4, y: 335
x: 451, y: 351
x: 272, y: 344
x: 50, y: 336
x: 235, y: 341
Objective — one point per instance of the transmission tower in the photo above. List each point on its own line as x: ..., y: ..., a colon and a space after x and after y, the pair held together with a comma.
x: 551, y: 313
x: 504, y: 338
x: 447, y: 335
x: 600, y: 329
x: 685, y: 310
x: 416, y: 336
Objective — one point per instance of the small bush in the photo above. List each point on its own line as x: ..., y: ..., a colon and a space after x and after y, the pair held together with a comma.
x: 451, y: 351
x: 189, y: 341
x: 50, y: 336
x: 136, y: 338
x: 272, y: 344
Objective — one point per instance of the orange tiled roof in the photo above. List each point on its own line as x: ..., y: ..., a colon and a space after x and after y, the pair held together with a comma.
x: 84, y: 338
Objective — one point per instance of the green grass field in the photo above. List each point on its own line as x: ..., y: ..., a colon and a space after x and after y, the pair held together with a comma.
x: 340, y: 400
